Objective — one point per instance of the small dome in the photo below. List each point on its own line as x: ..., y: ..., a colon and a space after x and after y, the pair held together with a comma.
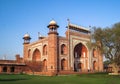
x: 26, y: 35
x: 52, y: 22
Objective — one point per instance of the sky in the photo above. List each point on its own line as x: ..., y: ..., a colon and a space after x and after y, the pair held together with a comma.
x: 18, y: 17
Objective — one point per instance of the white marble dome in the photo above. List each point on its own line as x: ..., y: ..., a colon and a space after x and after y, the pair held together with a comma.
x: 26, y: 35
x: 53, y: 22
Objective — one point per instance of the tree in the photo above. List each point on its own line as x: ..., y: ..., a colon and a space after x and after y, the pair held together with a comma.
x: 109, y: 38
x: 34, y: 66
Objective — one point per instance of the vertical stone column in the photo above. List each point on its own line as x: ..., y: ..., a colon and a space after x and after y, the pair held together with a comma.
x: 52, y: 53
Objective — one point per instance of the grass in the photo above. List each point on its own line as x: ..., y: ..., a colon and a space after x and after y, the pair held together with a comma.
x: 70, y: 79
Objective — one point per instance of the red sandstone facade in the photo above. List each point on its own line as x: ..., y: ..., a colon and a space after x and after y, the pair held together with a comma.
x: 12, y: 66
x: 55, y: 54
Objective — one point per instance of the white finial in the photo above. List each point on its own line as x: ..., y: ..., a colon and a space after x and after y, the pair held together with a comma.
x: 39, y: 35
x: 4, y: 57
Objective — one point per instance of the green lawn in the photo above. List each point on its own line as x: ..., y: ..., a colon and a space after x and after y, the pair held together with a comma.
x: 69, y: 79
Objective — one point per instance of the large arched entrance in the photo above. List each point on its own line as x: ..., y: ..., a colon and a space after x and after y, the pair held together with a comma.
x: 80, y: 53
x: 36, y: 55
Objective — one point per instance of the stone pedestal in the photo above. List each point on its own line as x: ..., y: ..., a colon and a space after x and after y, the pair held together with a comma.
x: 114, y: 73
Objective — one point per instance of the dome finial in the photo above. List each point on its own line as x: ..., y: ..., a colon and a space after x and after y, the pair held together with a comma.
x: 52, y: 18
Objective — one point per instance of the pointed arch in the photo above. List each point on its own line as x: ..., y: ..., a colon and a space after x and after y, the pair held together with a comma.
x: 36, y: 55
x: 94, y: 65
x: 94, y: 52
x: 63, y: 49
x: 63, y: 64
x: 45, y: 50
x: 45, y: 65
x: 80, y: 52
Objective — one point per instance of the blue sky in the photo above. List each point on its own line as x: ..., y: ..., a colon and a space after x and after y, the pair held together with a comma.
x: 18, y: 17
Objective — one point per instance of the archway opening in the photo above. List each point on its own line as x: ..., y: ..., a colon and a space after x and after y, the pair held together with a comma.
x: 80, y: 53
x: 63, y: 49
x: 95, y: 66
x: 36, y: 55
x: 44, y: 65
x: 45, y: 50
x: 12, y: 69
x: 4, y: 69
x: 63, y: 64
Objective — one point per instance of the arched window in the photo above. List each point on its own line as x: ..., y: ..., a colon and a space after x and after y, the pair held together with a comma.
x: 94, y: 53
x: 29, y: 52
x: 45, y: 50
x: 63, y: 49
x: 36, y: 55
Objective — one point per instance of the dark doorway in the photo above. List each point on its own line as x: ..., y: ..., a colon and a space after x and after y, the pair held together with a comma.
x: 12, y: 69
x: 4, y: 69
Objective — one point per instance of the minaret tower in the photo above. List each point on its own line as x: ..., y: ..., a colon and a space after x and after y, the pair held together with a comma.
x: 26, y: 43
x: 26, y: 38
x: 52, y: 47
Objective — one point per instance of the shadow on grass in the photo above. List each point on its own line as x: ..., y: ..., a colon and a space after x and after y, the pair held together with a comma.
x: 13, y: 77
x: 5, y: 80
